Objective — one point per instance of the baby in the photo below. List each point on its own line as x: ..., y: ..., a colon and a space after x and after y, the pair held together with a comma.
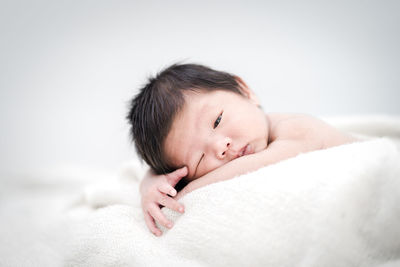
x: 196, y: 126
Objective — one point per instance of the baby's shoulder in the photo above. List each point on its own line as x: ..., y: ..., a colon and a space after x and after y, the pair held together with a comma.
x: 294, y: 126
x: 314, y: 132
x: 279, y: 121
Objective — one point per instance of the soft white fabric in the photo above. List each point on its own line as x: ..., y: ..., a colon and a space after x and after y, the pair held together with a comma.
x: 334, y: 207
x: 39, y: 227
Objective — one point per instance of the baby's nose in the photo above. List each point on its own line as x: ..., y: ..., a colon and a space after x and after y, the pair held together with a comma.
x: 227, y: 147
x: 223, y: 148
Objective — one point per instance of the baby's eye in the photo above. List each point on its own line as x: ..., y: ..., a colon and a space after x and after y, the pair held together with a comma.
x: 217, y: 121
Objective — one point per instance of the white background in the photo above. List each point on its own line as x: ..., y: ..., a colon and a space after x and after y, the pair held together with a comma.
x: 69, y: 68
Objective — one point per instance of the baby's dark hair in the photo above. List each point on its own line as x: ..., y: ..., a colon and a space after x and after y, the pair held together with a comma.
x: 153, y: 109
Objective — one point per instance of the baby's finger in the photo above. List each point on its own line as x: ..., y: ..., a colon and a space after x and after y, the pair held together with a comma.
x: 171, y: 203
x: 167, y: 189
x: 156, y: 213
x: 174, y: 177
x: 151, y: 224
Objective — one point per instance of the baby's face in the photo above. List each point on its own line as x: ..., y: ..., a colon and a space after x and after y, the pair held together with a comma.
x: 214, y: 128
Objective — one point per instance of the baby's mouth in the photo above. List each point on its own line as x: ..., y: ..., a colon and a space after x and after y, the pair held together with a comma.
x: 246, y: 150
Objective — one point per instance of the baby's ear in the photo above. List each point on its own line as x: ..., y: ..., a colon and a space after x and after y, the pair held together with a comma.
x: 246, y: 91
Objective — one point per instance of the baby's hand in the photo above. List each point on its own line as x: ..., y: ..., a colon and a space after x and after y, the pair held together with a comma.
x: 156, y: 190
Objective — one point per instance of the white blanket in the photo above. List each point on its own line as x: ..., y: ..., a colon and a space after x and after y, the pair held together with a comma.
x: 334, y: 207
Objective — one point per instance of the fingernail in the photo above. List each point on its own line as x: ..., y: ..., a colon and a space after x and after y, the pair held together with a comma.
x: 172, y: 192
x: 180, y: 209
x: 169, y: 225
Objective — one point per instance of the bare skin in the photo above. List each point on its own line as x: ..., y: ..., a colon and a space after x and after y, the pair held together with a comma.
x: 290, y: 135
x: 220, y: 135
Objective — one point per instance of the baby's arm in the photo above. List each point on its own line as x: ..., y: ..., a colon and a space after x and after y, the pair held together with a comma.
x: 276, y: 151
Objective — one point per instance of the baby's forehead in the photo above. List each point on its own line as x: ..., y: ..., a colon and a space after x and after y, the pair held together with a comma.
x: 185, y: 127
x: 199, y: 105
